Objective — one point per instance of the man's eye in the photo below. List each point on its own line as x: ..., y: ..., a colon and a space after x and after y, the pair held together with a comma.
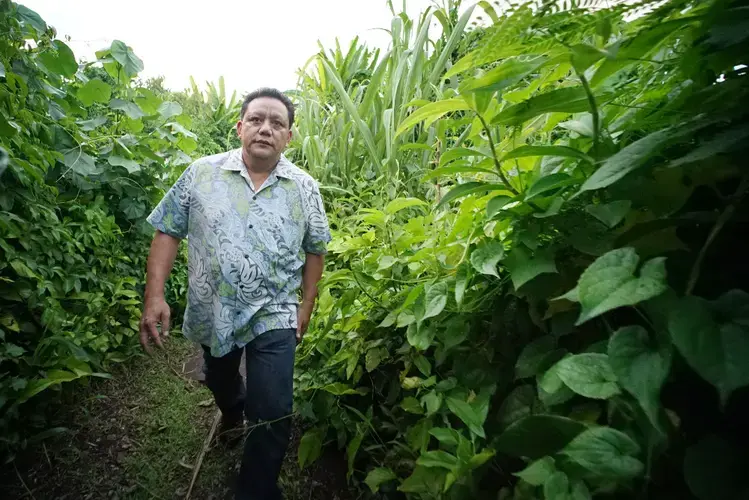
x: 254, y: 119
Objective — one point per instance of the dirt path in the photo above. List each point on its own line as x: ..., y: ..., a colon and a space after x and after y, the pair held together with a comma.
x: 138, y: 436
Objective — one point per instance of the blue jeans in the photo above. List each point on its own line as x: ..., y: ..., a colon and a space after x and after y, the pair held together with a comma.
x: 267, y: 397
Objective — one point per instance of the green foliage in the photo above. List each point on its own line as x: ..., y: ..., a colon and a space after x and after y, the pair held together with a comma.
x: 76, y: 180
x: 578, y: 175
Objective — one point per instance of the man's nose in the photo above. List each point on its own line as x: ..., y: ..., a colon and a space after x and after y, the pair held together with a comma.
x: 265, y: 128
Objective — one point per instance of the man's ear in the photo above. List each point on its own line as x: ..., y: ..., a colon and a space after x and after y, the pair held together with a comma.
x: 239, y: 128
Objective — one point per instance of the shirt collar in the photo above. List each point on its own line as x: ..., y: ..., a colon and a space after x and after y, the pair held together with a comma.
x: 235, y: 163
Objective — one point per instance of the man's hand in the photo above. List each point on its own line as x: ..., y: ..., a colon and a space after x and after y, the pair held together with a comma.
x: 303, y: 315
x: 155, y: 311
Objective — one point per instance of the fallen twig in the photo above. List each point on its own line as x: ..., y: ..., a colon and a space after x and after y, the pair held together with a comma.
x: 206, y: 445
x: 28, y: 491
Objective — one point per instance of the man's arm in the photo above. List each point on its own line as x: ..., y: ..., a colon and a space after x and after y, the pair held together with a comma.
x: 155, y: 309
x: 311, y: 274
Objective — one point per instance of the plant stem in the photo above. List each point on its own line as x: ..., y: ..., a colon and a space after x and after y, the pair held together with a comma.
x: 593, y: 111
x: 722, y: 219
x: 494, y: 155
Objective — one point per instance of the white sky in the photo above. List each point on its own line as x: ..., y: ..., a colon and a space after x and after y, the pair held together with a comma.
x: 252, y: 43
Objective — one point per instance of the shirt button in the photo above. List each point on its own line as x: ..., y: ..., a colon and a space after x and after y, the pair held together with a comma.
x: 254, y: 197
x: 246, y: 256
x: 250, y: 226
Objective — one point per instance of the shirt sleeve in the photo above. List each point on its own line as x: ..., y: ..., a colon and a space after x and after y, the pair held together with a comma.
x: 317, y: 236
x: 172, y: 214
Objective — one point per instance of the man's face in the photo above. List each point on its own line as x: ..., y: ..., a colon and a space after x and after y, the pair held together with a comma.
x: 264, y: 129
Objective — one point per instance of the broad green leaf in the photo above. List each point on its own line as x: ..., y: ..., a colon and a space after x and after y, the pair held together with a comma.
x: 536, y: 436
x: 610, y: 214
x: 640, y: 366
x: 486, y: 257
x: 124, y: 55
x: 437, y: 458
x: 54, y: 377
x: 535, y: 357
x: 420, y: 336
x: 715, y: 468
x: 636, y: 154
x: 148, y: 101
x: 8, y: 128
x: 461, y: 281
x: 432, y: 401
x: 374, y: 357
x: 310, y: 446
x: 588, y: 374
x: 495, y: 205
x: 469, y: 188
x: 13, y: 350
x: 423, y: 365
x: 481, y: 458
x: 169, y: 109
x: 131, y: 109
x: 94, y: 123
x: 118, y: 161
x: 351, y: 451
x: 562, y: 151
x: 30, y: 18
x: 187, y: 144
x: 605, y: 452
x: 80, y: 163
x: 453, y: 154
x: 713, y: 337
x: 59, y: 59
x: 378, y: 476
x: 723, y: 142
x: 567, y: 100
x: 93, y: 91
x: 417, y: 436
x: 524, y: 268
x: 411, y: 405
x: 386, y: 262
x: 507, y: 73
x: 431, y: 111
x: 548, y: 183
x: 468, y: 414
x: 399, y: 204
x: 436, y: 299
x: 22, y: 269
x: 557, y: 486
x: 446, y: 437
x: 425, y: 480
x: 610, y: 282
x: 339, y: 389
x: 584, y: 56
x: 133, y: 208
x: 538, y: 472
x: 518, y: 404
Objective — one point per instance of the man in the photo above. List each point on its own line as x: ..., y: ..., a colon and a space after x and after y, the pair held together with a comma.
x: 256, y: 230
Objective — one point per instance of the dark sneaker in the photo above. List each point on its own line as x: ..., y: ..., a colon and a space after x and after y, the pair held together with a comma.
x: 231, y: 429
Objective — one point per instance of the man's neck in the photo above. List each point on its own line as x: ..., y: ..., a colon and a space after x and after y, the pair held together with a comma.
x: 258, y: 169
x: 259, y: 166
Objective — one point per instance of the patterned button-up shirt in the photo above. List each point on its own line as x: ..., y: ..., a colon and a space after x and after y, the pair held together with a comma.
x: 246, y: 247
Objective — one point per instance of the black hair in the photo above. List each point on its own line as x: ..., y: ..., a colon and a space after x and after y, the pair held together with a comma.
x: 269, y: 92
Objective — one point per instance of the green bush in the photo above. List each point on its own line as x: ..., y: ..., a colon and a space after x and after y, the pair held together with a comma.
x: 85, y: 154
x: 510, y: 309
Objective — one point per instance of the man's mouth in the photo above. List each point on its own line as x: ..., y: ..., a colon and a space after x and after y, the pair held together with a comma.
x: 264, y: 143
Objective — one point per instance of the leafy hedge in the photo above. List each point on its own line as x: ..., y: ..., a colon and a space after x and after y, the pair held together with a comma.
x: 535, y: 283
x: 85, y: 151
